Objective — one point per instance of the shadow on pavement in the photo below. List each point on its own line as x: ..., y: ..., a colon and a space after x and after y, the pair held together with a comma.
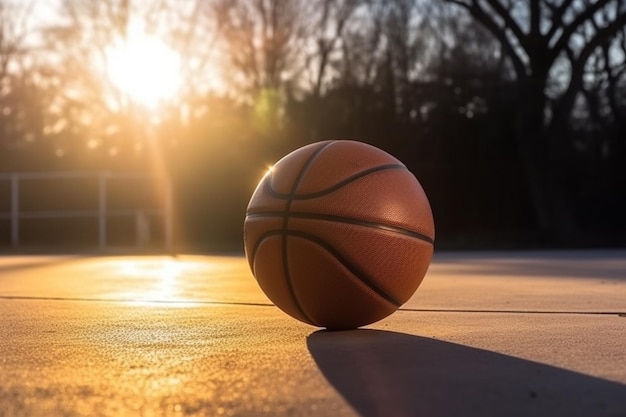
x: 393, y: 374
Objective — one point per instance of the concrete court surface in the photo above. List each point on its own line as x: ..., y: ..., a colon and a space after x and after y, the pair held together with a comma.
x: 487, y: 334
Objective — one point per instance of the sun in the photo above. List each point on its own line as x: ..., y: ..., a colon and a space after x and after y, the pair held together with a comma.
x: 144, y: 68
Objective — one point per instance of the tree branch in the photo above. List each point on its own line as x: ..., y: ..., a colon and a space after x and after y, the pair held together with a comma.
x: 571, y: 28
x: 612, y: 79
x: 557, y: 17
x: 535, y: 17
x: 499, y: 32
x: 578, y: 65
x: 509, y: 22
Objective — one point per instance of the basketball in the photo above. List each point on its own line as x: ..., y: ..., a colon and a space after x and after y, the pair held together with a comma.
x: 339, y: 234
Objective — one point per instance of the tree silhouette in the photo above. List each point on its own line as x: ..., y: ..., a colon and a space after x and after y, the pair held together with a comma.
x: 261, y: 40
x: 17, y: 123
x: 537, y: 36
x: 328, y: 23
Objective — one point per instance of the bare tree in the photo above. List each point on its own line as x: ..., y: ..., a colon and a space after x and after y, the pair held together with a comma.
x: 603, y: 91
x: 383, y: 46
x: 362, y: 45
x: 536, y: 36
x: 262, y: 41
x: 602, y: 130
x: 329, y: 20
x: 405, y: 31
x: 17, y: 106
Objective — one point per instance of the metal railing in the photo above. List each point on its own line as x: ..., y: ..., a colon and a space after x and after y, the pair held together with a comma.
x: 102, y: 212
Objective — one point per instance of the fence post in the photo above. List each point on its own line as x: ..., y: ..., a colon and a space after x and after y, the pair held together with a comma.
x: 168, y: 214
x: 15, y: 210
x: 102, y: 207
x: 142, y: 229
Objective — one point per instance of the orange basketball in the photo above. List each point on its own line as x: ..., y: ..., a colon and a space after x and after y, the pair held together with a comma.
x: 339, y: 234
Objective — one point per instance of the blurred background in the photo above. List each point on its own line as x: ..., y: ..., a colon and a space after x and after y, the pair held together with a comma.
x: 117, y: 115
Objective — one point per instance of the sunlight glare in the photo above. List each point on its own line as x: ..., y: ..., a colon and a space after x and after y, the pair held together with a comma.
x: 144, y: 68
x: 155, y: 280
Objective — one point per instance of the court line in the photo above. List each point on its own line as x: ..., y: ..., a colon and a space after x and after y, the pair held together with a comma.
x: 445, y: 310
x: 253, y: 304
x: 129, y: 300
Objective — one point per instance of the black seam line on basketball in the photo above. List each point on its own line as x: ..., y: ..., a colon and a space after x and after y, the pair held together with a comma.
x: 285, y: 229
x: 339, y: 257
x: 335, y: 187
x: 348, y: 220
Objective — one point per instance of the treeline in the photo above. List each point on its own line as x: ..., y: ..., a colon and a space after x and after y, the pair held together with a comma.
x: 511, y: 113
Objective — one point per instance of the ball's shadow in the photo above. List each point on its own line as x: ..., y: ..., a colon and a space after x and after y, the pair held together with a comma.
x: 392, y: 374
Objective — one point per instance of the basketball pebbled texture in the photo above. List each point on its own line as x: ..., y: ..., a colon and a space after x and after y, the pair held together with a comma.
x: 339, y: 234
